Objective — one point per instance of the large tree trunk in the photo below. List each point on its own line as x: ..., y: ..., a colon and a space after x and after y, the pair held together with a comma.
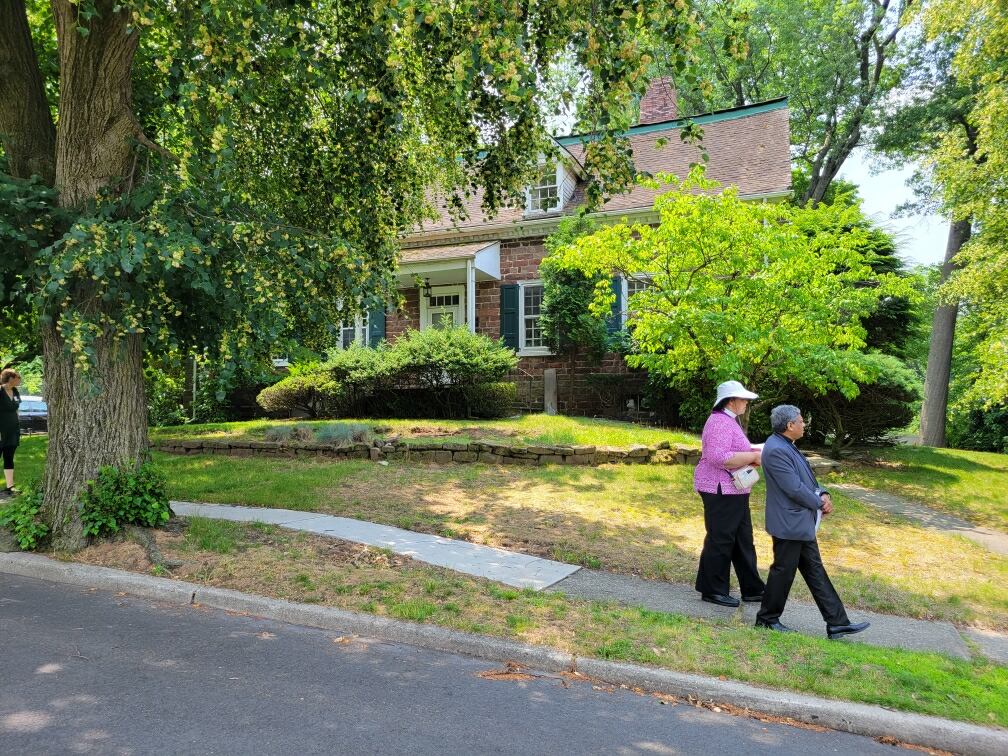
x: 98, y: 418
x: 95, y: 420
x: 934, y: 410
x: 26, y: 126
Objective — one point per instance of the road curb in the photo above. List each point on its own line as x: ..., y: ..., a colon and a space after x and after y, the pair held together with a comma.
x: 859, y: 719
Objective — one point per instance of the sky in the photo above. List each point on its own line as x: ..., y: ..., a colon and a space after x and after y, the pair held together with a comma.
x: 920, y: 238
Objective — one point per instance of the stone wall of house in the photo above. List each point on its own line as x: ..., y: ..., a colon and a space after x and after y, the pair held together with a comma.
x: 397, y: 322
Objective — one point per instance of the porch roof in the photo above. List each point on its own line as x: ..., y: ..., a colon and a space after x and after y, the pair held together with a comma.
x: 447, y: 252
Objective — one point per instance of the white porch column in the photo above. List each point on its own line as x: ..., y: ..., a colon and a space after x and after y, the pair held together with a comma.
x: 471, y: 295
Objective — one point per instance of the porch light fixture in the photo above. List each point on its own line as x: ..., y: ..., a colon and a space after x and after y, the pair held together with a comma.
x: 427, y: 288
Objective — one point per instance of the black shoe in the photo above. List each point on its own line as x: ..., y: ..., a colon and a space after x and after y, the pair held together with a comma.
x: 756, y: 598
x: 720, y: 600
x: 774, y: 626
x: 837, y: 631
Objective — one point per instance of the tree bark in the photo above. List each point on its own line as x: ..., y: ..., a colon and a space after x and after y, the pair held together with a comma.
x: 26, y: 125
x: 94, y: 420
x: 934, y: 409
x: 97, y: 130
x: 99, y: 417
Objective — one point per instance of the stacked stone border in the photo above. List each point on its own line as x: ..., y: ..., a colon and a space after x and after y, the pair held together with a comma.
x: 444, y: 452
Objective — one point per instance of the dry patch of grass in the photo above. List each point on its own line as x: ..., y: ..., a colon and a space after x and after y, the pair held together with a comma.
x: 300, y: 567
x: 644, y: 520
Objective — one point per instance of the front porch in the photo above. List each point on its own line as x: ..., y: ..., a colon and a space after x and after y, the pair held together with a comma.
x: 443, y: 283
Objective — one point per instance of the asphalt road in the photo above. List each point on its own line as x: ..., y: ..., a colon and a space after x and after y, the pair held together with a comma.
x: 86, y: 671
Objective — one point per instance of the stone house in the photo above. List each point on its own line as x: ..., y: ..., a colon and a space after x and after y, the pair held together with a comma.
x: 484, y: 272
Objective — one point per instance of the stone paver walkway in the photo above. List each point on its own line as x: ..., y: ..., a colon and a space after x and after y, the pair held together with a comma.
x: 525, y: 571
x: 929, y: 518
x: 508, y: 567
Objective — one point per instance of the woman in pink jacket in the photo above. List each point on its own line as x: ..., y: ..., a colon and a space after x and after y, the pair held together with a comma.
x: 727, y: 519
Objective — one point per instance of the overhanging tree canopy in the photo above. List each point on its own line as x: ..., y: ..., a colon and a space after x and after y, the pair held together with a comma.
x: 220, y: 168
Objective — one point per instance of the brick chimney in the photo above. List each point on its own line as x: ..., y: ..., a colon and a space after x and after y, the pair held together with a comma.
x: 659, y: 103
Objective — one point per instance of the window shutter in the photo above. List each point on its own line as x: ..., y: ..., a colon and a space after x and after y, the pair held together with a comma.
x: 509, y: 315
x: 376, y: 325
x: 614, y: 323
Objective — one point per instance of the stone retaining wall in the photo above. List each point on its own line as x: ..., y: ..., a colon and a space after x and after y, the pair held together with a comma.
x: 444, y: 452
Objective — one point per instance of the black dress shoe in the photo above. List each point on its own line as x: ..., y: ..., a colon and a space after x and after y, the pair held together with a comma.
x: 836, y: 631
x: 753, y: 599
x: 774, y: 626
x: 720, y: 599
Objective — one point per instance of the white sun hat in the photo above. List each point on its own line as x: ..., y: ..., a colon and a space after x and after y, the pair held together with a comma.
x: 733, y: 390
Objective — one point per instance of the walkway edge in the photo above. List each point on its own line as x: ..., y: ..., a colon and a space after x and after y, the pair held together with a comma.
x: 860, y: 719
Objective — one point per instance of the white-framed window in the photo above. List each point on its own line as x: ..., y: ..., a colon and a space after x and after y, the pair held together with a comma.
x: 355, y: 330
x: 633, y: 284
x: 544, y: 194
x: 531, y: 339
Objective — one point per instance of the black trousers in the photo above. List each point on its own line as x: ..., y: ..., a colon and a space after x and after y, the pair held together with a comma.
x: 729, y: 541
x: 803, y: 557
x: 8, y: 456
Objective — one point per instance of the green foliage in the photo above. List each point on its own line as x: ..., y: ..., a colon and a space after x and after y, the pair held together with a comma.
x: 567, y: 321
x: 165, y: 392
x: 125, y: 496
x: 437, y: 372
x: 490, y: 400
x: 756, y: 292
x: 882, y: 406
x: 314, y: 394
x: 22, y: 517
x: 344, y: 434
x: 982, y: 430
x: 970, y: 167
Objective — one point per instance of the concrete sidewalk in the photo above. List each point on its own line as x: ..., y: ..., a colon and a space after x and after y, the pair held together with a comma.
x: 990, y: 539
x: 524, y: 571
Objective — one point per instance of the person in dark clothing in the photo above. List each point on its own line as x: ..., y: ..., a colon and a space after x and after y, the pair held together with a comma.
x: 10, y: 427
x: 795, y: 505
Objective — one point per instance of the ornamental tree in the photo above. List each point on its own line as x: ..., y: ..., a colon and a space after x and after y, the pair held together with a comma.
x: 202, y: 174
x: 752, y: 291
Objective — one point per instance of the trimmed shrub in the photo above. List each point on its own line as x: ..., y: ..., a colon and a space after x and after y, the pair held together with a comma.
x: 491, y: 400
x: 21, y: 517
x: 124, y: 496
x: 432, y: 373
x: 981, y: 430
x: 315, y: 394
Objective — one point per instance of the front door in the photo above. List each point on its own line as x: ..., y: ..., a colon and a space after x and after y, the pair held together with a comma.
x: 444, y: 308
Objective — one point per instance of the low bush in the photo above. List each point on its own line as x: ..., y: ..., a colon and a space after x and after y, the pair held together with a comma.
x: 314, y: 394
x: 120, y: 496
x: 21, y: 517
x: 434, y: 373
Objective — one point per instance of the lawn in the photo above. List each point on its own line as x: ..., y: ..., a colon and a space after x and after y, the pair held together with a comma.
x: 971, y: 485
x: 269, y: 561
x: 525, y: 429
x: 636, y: 519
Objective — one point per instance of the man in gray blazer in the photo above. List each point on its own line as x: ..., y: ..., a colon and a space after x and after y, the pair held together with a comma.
x: 795, y: 503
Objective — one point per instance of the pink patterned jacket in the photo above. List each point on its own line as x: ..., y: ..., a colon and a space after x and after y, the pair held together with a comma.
x: 722, y: 436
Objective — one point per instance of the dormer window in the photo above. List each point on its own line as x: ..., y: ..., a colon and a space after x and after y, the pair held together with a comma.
x: 544, y: 195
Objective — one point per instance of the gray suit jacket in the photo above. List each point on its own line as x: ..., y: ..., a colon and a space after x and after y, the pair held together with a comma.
x: 792, y: 491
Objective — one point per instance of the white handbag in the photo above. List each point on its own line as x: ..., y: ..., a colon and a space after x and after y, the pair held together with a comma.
x: 745, y: 477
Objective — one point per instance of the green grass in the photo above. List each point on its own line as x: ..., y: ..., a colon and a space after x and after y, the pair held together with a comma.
x: 971, y: 690
x: 637, y: 519
x: 968, y: 484
x: 218, y: 536
x: 526, y: 429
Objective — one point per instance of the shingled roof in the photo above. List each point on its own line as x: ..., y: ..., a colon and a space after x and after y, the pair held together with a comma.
x: 749, y: 147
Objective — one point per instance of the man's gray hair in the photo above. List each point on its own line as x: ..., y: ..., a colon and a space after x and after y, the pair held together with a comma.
x: 781, y: 415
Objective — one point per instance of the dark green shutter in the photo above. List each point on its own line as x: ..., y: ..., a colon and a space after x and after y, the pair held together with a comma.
x: 614, y: 323
x: 509, y: 315
x: 376, y: 326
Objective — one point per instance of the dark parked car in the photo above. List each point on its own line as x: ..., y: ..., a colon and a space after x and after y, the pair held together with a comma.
x: 33, y: 414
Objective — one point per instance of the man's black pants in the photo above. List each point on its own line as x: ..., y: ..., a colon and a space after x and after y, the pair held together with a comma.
x: 801, y: 556
x: 729, y: 542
